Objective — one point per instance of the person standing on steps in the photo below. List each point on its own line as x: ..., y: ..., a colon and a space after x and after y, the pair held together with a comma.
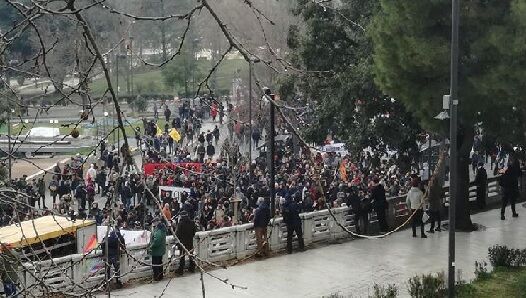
x: 509, y: 181
x: 291, y: 216
x: 414, y: 201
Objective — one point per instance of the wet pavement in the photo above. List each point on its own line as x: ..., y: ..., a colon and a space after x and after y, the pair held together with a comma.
x: 351, y: 268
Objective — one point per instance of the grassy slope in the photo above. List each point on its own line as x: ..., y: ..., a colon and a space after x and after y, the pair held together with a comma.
x: 225, y: 73
x: 503, y: 282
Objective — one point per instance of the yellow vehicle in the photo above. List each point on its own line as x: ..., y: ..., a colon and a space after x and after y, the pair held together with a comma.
x: 49, y: 236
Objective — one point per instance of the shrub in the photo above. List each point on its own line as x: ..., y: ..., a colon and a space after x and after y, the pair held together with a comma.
x: 481, y: 270
x: 391, y: 291
x: 427, y: 286
x: 502, y: 256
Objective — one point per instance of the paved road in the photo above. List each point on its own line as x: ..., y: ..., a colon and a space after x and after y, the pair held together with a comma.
x: 349, y: 268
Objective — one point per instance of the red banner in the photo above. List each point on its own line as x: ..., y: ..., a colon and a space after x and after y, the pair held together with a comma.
x: 150, y: 168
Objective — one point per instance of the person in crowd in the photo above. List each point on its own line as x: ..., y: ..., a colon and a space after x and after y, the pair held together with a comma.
x: 157, y: 248
x: 201, y: 152
x: 126, y: 194
x: 256, y: 135
x: 481, y: 182
x: 291, y: 217
x: 101, y: 181
x: 215, y: 132
x: 185, y: 232
x: 167, y: 213
x: 210, y: 151
x: 167, y: 114
x: 435, y: 191
x: 41, y: 192
x: 261, y: 221
x: 415, y: 202
x: 9, y: 263
x: 112, y: 247
x: 80, y: 195
x: 53, y: 188
x: 380, y: 205
x: 91, y: 174
x: 155, y: 111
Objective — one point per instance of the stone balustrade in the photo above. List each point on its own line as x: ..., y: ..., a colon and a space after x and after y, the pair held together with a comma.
x: 75, y: 273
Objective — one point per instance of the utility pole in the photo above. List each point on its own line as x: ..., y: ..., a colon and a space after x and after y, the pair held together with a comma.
x: 453, y: 104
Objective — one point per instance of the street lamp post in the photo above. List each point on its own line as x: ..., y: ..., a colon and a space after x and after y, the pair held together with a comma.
x: 272, y: 149
x: 250, y: 65
x: 117, y: 94
x: 453, y: 141
x: 9, y: 111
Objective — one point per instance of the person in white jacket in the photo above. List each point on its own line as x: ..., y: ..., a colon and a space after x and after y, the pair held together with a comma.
x: 91, y: 173
x: 415, y: 202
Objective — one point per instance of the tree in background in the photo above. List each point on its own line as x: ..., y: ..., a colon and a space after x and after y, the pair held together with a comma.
x: 178, y: 72
x: 335, y: 50
x: 412, y: 56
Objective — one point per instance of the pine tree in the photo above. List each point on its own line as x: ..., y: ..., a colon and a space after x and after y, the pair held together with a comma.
x: 411, y: 53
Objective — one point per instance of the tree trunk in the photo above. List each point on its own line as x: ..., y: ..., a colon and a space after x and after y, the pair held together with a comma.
x: 462, y: 215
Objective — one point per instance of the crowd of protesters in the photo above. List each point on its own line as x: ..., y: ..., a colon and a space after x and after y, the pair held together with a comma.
x: 225, y: 188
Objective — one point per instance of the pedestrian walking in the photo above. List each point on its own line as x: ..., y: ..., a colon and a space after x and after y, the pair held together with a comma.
x: 414, y: 201
x: 210, y: 151
x: 215, y: 132
x: 158, y: 248
x: 167, y: 114
x: 261, y: 221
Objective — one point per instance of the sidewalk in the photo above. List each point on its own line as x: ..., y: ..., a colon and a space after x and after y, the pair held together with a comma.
x: 349, y: 268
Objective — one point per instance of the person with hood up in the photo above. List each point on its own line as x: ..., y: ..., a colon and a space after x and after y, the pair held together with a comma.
x: 157, y: 248
x: 415, y: 202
